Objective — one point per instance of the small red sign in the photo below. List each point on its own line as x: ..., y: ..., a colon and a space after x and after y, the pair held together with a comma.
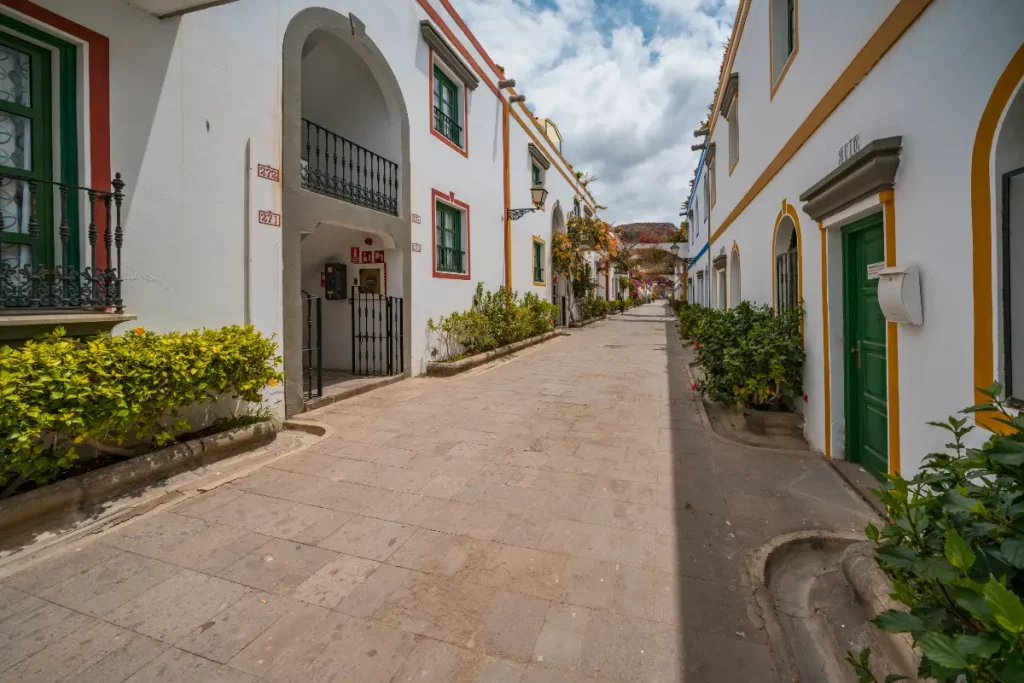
x: 268, y: 172
x: 270, y: 218
x: 367, y: 257
x: 416, y: 218
x: 378, y: 257
x: 353, y: 254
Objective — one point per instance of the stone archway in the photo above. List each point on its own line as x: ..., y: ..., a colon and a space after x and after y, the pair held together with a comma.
x: 331, y: 202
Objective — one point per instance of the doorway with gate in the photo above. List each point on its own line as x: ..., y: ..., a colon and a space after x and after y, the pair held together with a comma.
x: 865, y: 367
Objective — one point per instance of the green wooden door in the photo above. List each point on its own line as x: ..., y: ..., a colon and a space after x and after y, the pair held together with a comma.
x: 867, y: 422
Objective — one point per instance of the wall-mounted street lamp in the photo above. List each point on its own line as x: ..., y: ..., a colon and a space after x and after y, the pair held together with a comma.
x: 538, y: 194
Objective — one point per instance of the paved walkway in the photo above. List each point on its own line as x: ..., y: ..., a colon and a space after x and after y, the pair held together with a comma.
x: 561, y: 517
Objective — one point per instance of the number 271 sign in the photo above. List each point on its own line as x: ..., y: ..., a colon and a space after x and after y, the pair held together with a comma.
x: 270, y: 218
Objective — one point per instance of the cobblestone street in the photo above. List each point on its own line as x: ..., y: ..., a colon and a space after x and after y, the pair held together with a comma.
x: 558, y: 517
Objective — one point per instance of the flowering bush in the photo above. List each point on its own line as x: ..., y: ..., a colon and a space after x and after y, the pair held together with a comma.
x: 495, y: 319
x: 58, y: 393
x: 751, y: 356
x: 561, y: 254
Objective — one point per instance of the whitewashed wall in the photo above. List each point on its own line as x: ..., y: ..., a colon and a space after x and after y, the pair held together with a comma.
x: 192, y: 98
x: 934, y: 99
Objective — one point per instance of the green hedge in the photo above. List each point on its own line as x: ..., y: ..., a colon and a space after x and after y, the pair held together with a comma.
x: 954, y: 549
x: 58, y: 393
x: 751, y: 356
x: 593, y: 306
x: 495, y: 319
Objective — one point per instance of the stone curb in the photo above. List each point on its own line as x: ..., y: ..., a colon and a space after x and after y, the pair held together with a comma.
x: 92, y: 488
x: 331, y: 399
x: 757, y: 567
x: 436, y: 369
x: 873, y: 589
x: 587, y: 323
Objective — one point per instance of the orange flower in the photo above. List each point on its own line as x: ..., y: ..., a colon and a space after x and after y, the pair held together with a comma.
x: 139, y: 331
x: 272, y: 382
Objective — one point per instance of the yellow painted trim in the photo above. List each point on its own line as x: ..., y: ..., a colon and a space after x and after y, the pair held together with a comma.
x: 892, y: 337
x: 508, y: 196
x: 982, y: 229
x: 881, y: 41
x: 825, y: 339
x: 537, y: 239
x: 789, y: 210
x: 771, y: 48
x: 739, y: 276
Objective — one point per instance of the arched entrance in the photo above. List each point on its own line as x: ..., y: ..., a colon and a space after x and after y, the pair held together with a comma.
x: 561, y: 292
x: 786, y: 265
x: 346, y: 230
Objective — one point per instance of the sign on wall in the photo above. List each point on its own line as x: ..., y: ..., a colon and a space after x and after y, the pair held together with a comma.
x: 378, y: 257
x: 367, y: 257
x: 874, y: 269
x: 268, y: 172
x: 851, y: 147
x: 416, y: 218
x: 416, y: 247
x: 353, y: 255
x: 270, y: 218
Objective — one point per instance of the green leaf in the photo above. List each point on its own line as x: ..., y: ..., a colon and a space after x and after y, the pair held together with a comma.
x: 942, y: 650
x: 958, y: 552
x: 872, y: 532
x: 1012, y: 670
x: 896, y: 621
x: 1006, y: 607
x: 1013, y: 552
x: 979, y: 646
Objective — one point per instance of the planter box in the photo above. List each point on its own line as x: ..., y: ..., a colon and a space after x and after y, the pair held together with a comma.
x: 87, y: 491
x: 765, y: 422
x: 443, y: 369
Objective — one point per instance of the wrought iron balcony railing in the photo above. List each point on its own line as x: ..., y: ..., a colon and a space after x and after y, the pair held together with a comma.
x: 60, y: 246
x: 339, y: 168
x: 449, y: 260
x: 446, y: 126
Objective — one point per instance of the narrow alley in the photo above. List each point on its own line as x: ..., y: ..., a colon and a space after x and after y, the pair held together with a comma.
x: 562, y: 516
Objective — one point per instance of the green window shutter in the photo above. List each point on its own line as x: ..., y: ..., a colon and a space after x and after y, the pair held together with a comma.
x: 446, y: 107
x: 790, y: 26
x: 536, y: 175
x: 538, y: 262
x: 450, y: 257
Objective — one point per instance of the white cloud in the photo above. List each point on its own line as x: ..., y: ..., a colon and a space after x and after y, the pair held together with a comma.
x: 627, y: 103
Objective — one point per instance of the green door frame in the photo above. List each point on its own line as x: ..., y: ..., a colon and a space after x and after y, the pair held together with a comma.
x: 67, y: 62
x: 1007, y: 287
x: 853, y: 360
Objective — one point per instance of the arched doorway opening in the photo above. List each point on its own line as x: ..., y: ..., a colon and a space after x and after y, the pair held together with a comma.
x: 346, y: 233
x: 786, y: 265
x: 735, y: 296
x: 561, y: 291
x: 1009, y: 196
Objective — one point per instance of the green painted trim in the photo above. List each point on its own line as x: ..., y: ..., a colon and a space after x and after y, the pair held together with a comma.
x: 67, y: 56
x: 455, y: 215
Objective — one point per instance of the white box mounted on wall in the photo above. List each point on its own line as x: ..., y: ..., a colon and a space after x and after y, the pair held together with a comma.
x: 899, y: 294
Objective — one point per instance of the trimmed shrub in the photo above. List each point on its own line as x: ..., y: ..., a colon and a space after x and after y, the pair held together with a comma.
x: 593, y: 306
x: 954, y: 549
x: 58, y: 394
x: 688, y: 315
x: 495, y: 319
x: 751, y: 356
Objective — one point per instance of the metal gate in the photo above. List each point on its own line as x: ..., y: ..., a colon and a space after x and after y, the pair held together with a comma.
x: 312, y: 348
x: 787, y: 273
x: 378, y: 334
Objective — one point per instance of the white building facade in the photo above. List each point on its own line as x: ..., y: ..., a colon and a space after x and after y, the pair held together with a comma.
x: 879, y: 143
x: 281, y: 158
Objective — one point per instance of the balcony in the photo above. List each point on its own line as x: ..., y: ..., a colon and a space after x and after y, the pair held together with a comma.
x: 60, y: 247
x: 449, y: 260
x: 339, y: 168
x: 446, y: 126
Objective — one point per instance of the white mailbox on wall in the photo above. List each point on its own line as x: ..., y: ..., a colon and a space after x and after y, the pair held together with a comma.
x: 899, y: 294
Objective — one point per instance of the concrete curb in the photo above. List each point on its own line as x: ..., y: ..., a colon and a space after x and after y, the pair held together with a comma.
x: 331, y: 399
x: 588, y: 323
x: 758, y: 568
x: 436, y: 369
x: 873, y: 590
x: 90, y: 489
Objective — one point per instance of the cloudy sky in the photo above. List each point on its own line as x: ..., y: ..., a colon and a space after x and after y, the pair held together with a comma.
x: 627, y: 82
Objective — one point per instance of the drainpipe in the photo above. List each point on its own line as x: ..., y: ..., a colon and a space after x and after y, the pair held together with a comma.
x: 247, y: 237
x: 508, y: 195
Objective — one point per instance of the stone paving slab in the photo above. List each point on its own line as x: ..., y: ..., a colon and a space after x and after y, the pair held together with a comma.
x: 558, y: 518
